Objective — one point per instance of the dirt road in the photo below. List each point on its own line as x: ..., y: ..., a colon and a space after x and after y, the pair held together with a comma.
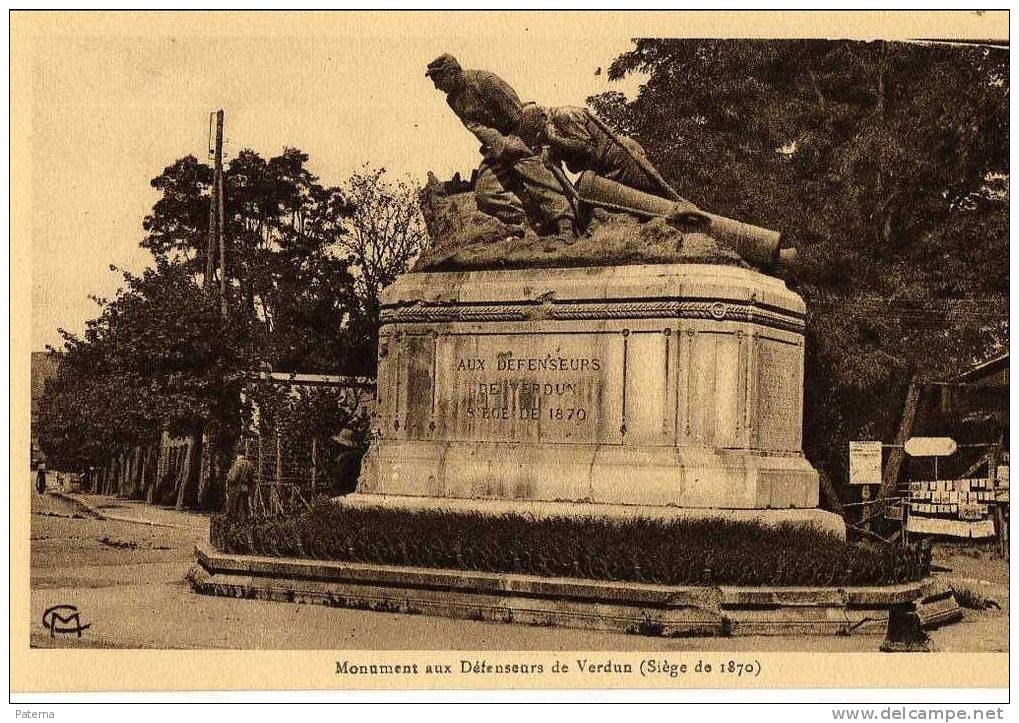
x: 126, y: 578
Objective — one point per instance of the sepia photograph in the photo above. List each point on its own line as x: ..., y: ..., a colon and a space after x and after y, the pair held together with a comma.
x: 431, y: 347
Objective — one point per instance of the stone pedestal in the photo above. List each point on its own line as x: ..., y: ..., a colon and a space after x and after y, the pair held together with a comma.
x: 665, y: 386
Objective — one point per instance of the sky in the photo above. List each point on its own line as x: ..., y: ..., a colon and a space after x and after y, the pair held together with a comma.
x: 110, y: 111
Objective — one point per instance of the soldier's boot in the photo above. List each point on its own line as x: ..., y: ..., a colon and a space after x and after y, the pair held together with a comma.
x: 516, y: 230
x: 564, y: 230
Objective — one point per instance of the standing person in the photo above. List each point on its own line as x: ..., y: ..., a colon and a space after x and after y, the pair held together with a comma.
x: 239, y: 481
x: 513, y: 182
x: 40, y: 478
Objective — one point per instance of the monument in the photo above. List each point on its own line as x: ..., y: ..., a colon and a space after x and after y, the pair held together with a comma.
x: 598, y: 350
x: 665, y: 380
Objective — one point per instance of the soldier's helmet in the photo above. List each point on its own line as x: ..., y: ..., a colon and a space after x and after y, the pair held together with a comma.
x: 445, y: 64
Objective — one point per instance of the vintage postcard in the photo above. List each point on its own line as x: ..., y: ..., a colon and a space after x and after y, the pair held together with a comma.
x: 510, y: 350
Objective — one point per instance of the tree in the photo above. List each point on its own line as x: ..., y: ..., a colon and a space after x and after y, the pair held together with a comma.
x: 282, y: 227
x: 306, y: 263
x: 159, y: 356
x: 162, y: 355
x: 885, y: 163
x: 178, y: 224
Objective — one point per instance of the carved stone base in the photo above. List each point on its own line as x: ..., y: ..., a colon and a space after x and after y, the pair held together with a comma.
x: 673, y: 385
x: 638, y: 475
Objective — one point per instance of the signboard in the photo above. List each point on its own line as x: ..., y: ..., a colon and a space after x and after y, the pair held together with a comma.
x: 894, y: 512
x: 1002, y: 475
x: 930, y: 446
x: 864, y: 463
x: 974, y: 529
x: 971, y: 511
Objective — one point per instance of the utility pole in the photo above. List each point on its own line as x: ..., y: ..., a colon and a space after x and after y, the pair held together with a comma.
x: 215, y: 251
x: 210, y: 245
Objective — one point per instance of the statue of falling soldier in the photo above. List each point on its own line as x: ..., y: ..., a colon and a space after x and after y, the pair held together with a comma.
x: 521, y: 182
x: 615, y: 174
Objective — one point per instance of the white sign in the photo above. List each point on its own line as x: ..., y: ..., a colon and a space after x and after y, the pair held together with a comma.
x: 930, y: 446
x: 864, y: 463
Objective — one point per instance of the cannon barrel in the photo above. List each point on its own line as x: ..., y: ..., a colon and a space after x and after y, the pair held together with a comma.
x: 756, y: 245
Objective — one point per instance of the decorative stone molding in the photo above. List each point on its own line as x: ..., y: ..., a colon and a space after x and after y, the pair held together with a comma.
x: 716, y: 310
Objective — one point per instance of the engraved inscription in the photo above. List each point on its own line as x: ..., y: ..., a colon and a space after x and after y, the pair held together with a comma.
x: 534, y: 388
x: 779, y: 401
x: 528, y: 399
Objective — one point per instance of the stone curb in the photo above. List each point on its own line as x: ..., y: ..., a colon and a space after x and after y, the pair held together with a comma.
x: 94, y: 511
x: 87, y: 507
x: 630, y: 607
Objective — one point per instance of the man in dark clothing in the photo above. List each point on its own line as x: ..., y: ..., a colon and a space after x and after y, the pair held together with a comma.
x: 574, y: 137
x: 239, y: 481
x: 513, y: 182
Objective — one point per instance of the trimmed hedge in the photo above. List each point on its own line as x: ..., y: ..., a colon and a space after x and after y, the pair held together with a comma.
x: 677, y: 552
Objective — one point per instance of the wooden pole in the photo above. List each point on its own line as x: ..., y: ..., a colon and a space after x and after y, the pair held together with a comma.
x: 998, y: 514
x: 220, y: 220
x: 182, y: 487
x: 896, y: 454
x: 260, y: 473
x: 278, y: 480
x: 215, y: 249
x: 204, y: 468
x: 154, y: 457
x: 212, y: 239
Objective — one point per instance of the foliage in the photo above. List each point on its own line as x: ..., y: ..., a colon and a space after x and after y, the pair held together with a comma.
x: 676, y: 552
x: 385, y: 232
x: 308, y: 260
x: 335, y: 417
x: 304, y: 265
x: 283, y: 227
x: 159, y: 355
x: 885, y: 163
x: 315, y: 411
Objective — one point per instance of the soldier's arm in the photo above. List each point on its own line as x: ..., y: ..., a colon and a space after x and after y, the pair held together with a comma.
x: 502, y: 102
x: 498, y: 147
x: 569, y: 137
x: 490, y: 138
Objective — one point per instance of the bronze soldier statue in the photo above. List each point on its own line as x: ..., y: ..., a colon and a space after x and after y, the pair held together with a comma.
x: 616, y: 174
x: 581, y: 141
x: 513, y: 183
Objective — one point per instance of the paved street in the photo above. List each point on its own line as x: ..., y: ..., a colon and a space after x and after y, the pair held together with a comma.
x: 126, y: 577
